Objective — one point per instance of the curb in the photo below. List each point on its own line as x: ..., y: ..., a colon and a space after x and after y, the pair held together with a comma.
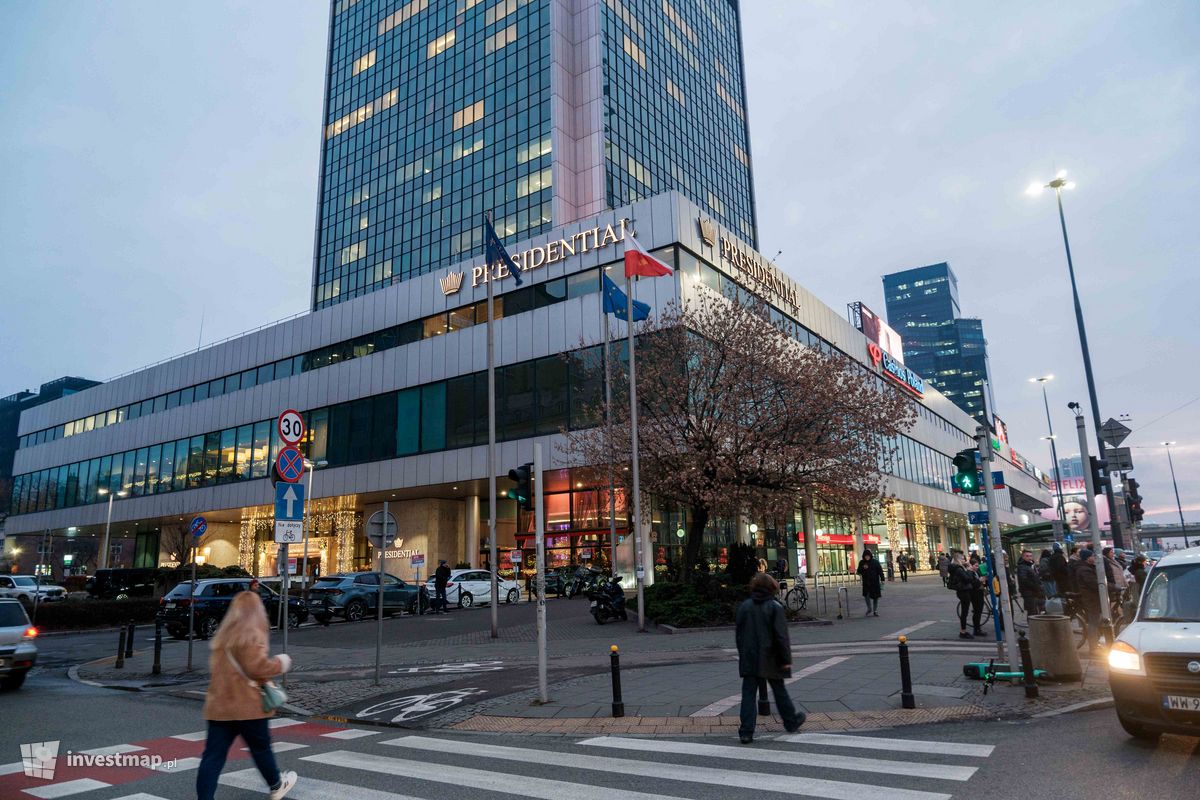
x: 1086, y: 705
x: 671, y: 629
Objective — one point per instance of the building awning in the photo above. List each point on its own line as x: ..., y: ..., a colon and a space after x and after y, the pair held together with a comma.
x: 1037, y: 532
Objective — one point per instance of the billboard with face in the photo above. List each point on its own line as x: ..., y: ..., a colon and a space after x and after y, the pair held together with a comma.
x: 1074, y: 495
x: 878, y: 331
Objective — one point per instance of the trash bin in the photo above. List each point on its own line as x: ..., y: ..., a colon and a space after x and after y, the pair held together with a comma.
x: 1052, y: 645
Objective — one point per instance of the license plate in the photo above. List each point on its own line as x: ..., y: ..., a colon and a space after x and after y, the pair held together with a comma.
x: 170, y: 605
x: 1179, y: 702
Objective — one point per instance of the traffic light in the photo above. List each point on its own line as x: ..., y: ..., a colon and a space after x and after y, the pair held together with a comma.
x: 522, y: 476
x: 967, y: 477
x: 1099, y: 479
x: 1134, y: 501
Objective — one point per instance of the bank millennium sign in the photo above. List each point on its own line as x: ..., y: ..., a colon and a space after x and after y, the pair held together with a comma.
x: 902, y: 375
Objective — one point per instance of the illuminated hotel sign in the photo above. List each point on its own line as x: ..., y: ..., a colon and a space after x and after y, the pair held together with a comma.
x: 757, y: 271
x: 543, y: 255
x: 902, y: 375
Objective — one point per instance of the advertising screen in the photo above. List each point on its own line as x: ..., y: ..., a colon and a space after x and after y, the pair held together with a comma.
x: 878, y: 331
x: 1074, y: 494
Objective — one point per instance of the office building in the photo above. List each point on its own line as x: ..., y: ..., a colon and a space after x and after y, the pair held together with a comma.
x: 948, y: 351
x: 542, y: 112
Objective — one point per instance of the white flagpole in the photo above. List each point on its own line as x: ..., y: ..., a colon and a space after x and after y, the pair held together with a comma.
x: 638, y: 561
x: 491, y: 453
x: 612, y: 478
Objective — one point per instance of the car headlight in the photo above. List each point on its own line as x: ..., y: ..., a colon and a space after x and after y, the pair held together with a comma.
x: 1123, y: 657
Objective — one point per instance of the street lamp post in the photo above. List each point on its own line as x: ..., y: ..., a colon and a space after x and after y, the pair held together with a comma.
x: 311, y: 466
x: 1178, y: 505
x: 108, y: 523
x: 1059, y: 183
x: 1062, y: 514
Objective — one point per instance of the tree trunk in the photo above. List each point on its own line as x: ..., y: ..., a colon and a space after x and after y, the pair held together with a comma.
x: 697, y: 522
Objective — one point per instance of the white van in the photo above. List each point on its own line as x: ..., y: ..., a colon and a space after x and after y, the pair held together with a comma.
x: 1154, y: 666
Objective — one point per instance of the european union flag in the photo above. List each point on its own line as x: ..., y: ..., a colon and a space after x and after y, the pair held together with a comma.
x: 617, y: 304
x: 496, y: 254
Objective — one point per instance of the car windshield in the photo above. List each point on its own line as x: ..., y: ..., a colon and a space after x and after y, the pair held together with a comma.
x: 1172, y: 595
x: 325, y: 583
x: 182, y: 590
x: 24, y: 580
x: 12, y: 615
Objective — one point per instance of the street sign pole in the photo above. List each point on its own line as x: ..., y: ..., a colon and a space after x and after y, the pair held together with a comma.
x: 196, y: 529
x: 285, y: 586
x: 540, y: 534
x: 1101, y: 579
x: 995, y: 553
x: 383, y: 544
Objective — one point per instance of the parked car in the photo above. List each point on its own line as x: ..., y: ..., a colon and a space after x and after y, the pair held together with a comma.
x: 18, y: 646
x: 556, y: 582
x: 355, y: 596
x: 468, y: 587
x: 212, y: 599
x: 121, y: 584
x: 26, y: 589
x: 1154, y: 666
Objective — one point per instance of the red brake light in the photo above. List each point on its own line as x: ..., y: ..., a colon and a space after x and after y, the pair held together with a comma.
x: 449, y: 584
x: 31, y: 632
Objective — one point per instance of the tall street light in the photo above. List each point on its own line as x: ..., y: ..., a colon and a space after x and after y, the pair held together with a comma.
x: 1178, y: 504
x: 1059, y: 183
x: 311, y: 466
x: 1062, y: 514
x: 108, y: 523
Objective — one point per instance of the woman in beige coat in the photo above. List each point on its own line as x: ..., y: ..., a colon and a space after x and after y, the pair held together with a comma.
x: 238, y: 663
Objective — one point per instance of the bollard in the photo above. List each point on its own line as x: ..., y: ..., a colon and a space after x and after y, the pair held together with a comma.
x: 618, y: 705
x: 839, y: 597
x: 121, y: 648
x: 906, y: 693
x: 1031, y: 687
x: 157, y: 668
x: 764, y: 705
x: 129, y: 641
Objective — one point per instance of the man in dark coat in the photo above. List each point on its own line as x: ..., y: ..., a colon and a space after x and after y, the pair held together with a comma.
x: 1030, y: 585
x: 764, y: 654
x: 1086, y: 582
x: 902, y: 563
x: 1058, y: 570
x: 440, y: 578
x: 872, y: 581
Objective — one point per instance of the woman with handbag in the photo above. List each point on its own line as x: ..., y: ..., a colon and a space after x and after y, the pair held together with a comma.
x: 241, y: 698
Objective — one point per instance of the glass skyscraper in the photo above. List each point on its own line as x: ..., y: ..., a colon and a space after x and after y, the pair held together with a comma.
x: 540, y: 111
x: 945, y: 349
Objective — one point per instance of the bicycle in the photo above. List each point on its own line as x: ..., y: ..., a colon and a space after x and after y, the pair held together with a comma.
x: 796, y: 598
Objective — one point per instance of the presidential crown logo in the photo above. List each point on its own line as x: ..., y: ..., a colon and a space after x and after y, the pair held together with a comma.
x: 708, y: 231
x: 451, y: 283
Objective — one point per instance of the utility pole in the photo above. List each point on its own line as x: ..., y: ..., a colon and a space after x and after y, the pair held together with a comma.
x: 1174, y: 483
x: 1005, y: 637
x: 1094, y: 520
x: 540, y: 535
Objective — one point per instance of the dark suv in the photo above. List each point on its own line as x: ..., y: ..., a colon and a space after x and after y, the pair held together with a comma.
x: 212, y: 600
x: 121, y: 584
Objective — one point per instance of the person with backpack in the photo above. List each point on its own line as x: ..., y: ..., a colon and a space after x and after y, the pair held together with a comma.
x: 764, y: 655
x: 943, y: 568
x: 965, y: 584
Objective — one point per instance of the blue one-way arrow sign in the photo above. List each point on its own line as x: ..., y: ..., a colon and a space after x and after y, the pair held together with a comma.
x: 289, y: 502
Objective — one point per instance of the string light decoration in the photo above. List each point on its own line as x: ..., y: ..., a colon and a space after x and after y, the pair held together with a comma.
x: 332, y: 522
x: 922, y: 527
x: 892, y: 525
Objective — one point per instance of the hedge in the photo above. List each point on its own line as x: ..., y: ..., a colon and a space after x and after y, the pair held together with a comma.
x: 80, y: 614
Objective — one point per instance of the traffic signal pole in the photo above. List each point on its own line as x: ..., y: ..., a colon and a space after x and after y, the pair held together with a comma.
x: 999, y: 573
x: 1094, y: 520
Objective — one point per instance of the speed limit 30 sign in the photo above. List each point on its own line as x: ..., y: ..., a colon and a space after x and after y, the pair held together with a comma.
x: 291, y: 426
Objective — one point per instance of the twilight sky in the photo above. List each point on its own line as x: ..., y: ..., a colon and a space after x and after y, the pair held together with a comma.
x: 159, y: 169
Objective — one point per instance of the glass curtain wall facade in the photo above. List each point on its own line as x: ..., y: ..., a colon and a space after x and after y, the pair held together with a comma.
x: 675, y: 107
x: 436, y: 111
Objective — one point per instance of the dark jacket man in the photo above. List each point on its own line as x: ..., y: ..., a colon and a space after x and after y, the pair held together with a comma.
x: 1028, y: 583
x: 1059, y: 571
x: 764, y: 655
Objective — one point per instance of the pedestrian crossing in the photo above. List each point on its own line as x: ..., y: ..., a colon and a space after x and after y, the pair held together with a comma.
x: 357, y: 764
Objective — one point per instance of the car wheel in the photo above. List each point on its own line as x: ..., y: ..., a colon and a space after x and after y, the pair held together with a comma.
x: 293, y: 619
x: 355, y: 610
x: 1139, y: 731
x: 14, y: 680
x: 207, y: 627
x: 465, y: 600
x: 513, y: 596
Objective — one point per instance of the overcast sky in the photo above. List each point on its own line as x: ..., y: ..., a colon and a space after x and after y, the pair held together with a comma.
x: 159, y: 170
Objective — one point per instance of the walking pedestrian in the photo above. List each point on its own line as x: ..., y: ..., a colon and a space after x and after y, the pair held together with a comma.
x: 891, y: 567
x: 441, y: 577
x: 943, y: 568
x: 1046, y: 574
x: 233, y: 705
x: 962, y: 581
x: 1033, y: 596
x: 1060, y: 572
x: 902, y: 563
x: 1138, y: 570
x: 764, y: 654
x: 1083, y: 574
x: 977, y: 569
x: 872, y: 581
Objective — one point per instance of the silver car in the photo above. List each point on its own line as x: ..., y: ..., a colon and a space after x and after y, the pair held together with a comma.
x: 18, y: 645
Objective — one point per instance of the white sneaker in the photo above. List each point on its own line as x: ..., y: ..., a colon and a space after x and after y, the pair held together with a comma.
x: 287, y: 780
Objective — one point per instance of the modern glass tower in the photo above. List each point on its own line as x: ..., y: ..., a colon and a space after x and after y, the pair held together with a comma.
x: 540, y: 111
x: 948, y: 351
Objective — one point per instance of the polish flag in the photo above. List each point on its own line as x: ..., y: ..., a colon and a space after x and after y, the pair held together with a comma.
x: 639, y: 262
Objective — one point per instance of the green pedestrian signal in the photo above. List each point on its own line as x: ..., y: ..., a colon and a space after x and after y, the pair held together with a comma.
x: 522, y: 476
x: 967, y: 477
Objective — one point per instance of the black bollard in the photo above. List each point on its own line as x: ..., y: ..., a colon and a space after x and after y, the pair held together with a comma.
x: 1031, y: 687
x: 764, y: 705
x: 121, y: 648
x: 618, y: 705
x: 157, y: 668
x: 129, y: 641
x: 906, y: 693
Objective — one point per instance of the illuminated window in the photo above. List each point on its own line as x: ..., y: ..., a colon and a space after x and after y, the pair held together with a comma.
x: 362, y: 113
x: 673, y: 39
x: 403, y: 15
x: 625, y: 16
x: 353, y: 253
x: 499, y: 11
x: 721, y: 71
x: 432, y: 193
x: 500, y: 39
x: 467, y: 5
x: 638, y: 171
x: 673, y: 15
x: 441, y: 44
x: 534, y: 149
x: 741, y: 156
x: 635, y: 52
x: 363, y: 222
x: 470, y: 114
x: 365, y: 62
x: 536, y: 181
x: 715, y: 203
x: 729, y: 101
x: 675, y: 92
